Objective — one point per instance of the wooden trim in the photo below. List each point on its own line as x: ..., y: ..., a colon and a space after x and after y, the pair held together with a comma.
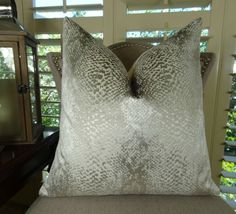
x: 9, y: 38
x: 25, y: 80
x: 21, y: 162
x: 37, y: 86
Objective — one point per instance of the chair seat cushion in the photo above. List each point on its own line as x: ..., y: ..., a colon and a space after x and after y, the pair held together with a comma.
x: 131, y: 204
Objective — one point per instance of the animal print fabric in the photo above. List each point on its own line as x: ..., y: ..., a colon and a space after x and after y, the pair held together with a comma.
x: 114, y: 143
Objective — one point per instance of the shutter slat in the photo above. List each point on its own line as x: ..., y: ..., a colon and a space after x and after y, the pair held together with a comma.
x: 231, y: 126
x: 225, y: 189
x: 51, y: 116
x: 156, y: 39
x: 232, y: 93
x: 146, y: 4
x: 227, y: 174
x: 50, y: 41
x: 231, y: 143
x: 231, y: 203
x: 230, y: 158
x: 70, y: 7
x: 231, y: 109
x: 42, y: 57
x: 48, y: 87
x: 54, y: 102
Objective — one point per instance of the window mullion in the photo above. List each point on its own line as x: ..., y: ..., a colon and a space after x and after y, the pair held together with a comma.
x: 64, y: 6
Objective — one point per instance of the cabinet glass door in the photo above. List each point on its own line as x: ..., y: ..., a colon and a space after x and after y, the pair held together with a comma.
x: 11, y: 102
x: 32, y: 86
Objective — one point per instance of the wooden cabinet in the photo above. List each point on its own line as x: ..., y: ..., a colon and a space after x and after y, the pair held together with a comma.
x: 20, y: 114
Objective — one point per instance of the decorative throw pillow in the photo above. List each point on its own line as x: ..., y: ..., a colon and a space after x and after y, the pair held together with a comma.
x: 114, y: 143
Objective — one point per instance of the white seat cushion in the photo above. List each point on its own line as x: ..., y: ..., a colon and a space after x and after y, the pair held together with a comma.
x: 131, y: 204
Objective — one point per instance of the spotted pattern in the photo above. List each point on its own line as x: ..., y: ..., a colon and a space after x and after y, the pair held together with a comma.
x: 114, y: 143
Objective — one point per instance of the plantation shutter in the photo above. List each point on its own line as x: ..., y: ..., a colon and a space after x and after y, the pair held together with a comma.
x: 228, y: 173
x: 70, y: 8
x: 161, y: 4
x: 151, y: 7
x: 48, y: 19
x: 50, y: 101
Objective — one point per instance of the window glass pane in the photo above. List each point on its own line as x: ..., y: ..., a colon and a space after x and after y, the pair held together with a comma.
x: 97, y: 35
x: 31, y: 69
x: 234, y: 69
x: 51, y: 109
x: 10, y: 115
x: 44, y: 49
x: 43, y: 65
x: 7, y: 66
x: 229, y: 182
x: 151, y: 34
x: 161, y: 34
x: 46, y: 79
x: 147, y: 34
x: 49, y: 95
x: 47, y: 3
x: 50, y: 106
x: 229, y: 166
x: 203, y: 46
x: 48, y: 36
x: 228, y: 196
x: 50, y: 121
x: 205, y: 32
x: 83, y: 2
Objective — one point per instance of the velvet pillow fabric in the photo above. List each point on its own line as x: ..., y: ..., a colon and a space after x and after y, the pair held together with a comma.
x: 114, y: 143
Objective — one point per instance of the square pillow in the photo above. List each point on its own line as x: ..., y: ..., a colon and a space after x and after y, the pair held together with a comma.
x: 114, y: 143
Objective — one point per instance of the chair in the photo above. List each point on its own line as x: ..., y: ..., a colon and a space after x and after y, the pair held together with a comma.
x: 129, y: 204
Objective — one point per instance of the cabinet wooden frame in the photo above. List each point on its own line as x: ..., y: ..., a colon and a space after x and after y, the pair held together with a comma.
x: 30, y: 132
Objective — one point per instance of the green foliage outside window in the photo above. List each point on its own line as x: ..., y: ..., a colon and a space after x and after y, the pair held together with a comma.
x: 50, y: 101
x: 6, y: 71
x: 203, y: 46
x: 162, y: 34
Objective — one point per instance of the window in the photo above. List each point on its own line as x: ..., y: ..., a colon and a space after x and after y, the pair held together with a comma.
x: 228, y: 178
x: 50, y: 101
x: 167, y: 6
x: 155, y: 37
x: 70, y: 8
